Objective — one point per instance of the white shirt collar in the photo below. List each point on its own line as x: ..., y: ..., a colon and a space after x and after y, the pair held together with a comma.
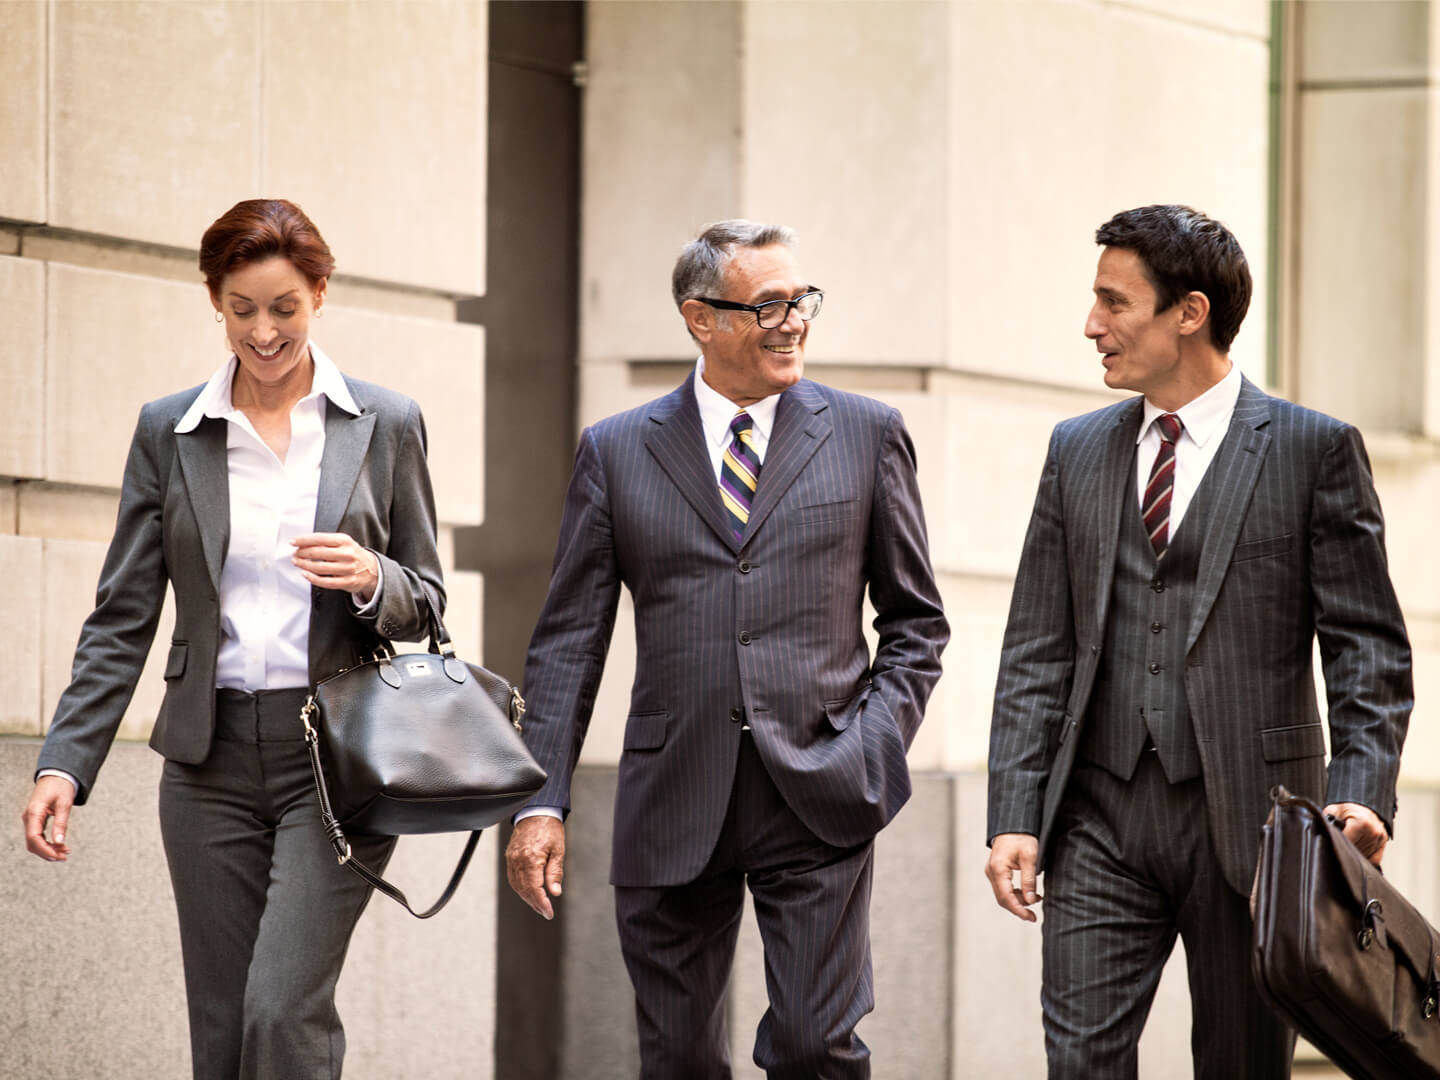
x: 1206, y: 416
x: 716, y: 410
x: 215, y: 401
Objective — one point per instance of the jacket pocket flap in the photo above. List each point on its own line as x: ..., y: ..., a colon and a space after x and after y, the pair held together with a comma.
x: 175, y: 662
x: 1297, y: 741
x: 646, y: 730
x: 1258, y: 549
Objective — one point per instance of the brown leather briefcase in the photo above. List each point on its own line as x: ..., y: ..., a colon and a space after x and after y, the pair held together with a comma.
x: 1339, y: 953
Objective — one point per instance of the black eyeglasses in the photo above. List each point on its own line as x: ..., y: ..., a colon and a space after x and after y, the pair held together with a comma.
x: 774, y: 312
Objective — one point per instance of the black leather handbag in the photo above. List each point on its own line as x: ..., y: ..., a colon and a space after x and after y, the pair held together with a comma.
x: 417, y: 743
x: 1339, y: 953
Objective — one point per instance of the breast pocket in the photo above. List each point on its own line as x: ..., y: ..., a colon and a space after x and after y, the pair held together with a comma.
x: 1262, y: 549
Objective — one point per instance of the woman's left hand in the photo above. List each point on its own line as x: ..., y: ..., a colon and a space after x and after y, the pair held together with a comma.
x: 336, y: 561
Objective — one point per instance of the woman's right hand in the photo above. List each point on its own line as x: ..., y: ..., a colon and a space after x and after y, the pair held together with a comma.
x: 52, y: 798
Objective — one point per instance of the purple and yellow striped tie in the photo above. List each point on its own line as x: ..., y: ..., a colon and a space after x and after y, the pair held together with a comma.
x: 739, y: 470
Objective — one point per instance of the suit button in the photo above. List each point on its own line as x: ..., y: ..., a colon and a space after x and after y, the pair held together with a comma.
x: 1158, y: 585
x: 737, y: 714
x: 744, y: 637
x: 1155, y: 628
x: 744, y: 566
x: 1154, y: 669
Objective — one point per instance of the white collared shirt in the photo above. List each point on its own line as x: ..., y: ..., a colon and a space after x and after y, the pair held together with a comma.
x: 716, y: 412
x: 1204, y: 421
x: 264, y: 599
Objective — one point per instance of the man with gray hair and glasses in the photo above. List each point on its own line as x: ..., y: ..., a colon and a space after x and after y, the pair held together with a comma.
x: 747, y: 512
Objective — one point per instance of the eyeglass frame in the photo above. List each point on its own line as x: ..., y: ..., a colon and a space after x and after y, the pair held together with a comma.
x: 755, y: 309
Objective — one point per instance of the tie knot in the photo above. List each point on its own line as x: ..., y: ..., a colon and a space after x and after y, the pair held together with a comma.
x: 742, y: 422
x: 1169, y: 426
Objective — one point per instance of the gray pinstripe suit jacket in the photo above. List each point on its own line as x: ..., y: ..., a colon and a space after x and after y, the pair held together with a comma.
x: 1294, y: 548
x: 174, y: 525
x: 771, y: 624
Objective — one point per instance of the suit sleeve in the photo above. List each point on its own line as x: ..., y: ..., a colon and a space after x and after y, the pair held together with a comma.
x: 908, y: 617
x: 116, y: 638
x: 410, y: 564
x: 1364, y: 650
x: 1037, y: 666
x: 571, y: 639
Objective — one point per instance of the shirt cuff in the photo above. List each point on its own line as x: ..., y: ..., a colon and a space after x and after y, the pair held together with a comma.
x: 371, y: 606
x: 59, y: 772
x: 539, y: 811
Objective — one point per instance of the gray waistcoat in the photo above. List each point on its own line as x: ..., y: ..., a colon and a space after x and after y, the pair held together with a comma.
x: 1140, y: 687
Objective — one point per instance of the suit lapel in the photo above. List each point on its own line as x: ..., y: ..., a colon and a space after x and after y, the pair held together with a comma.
x: 1115, y: 495
x: 676, y: 439
x: 347, y: 440
x: 802, y: 424
x: 1234, y: 471
x: 207, y: 481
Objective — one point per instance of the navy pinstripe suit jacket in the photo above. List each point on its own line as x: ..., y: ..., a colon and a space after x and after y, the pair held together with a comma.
x: 1294, y: 548
x: 771, y: 624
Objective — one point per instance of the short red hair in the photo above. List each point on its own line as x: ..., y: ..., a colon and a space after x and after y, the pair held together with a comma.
x: 256, y: 229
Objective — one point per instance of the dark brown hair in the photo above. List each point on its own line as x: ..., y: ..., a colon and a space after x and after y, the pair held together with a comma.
x: 1184, y: 251
x: 256, y: 229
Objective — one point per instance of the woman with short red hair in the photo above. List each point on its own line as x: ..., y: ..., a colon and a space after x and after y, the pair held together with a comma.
x: 290, y: 509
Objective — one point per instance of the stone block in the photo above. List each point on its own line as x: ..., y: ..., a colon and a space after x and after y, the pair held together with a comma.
x: 67, y: 513
x: 116, y: 341
x: 655, y: 70
x: 9, y: 503
x: 379, y: 132
x: 1359, y: 41
x: 1363, y: 149
x: 1045, y: 103
x: 22, y: 602
x: 93, y: 937
x: 70, y: 573
x: 854, y: 158
x: 22, y: 357
x: 125, y: 158
x: 22, y: 110
x: 442, y: 366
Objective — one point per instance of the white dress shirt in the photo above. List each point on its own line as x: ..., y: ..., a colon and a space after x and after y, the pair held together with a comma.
x: 264, y: 600
x: 1204, y: 421
x: 716, y: 412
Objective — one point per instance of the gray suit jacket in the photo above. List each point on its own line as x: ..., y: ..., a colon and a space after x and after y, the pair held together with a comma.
x: 770, y: 625
x: 1294, y: 549
x: 174, y: 525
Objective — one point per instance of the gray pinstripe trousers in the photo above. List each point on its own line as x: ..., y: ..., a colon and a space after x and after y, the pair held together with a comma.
x: 1132, y: 864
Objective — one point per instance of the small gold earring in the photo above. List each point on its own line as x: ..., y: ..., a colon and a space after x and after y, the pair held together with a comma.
x: 319, y: 313
x: 219, y: 317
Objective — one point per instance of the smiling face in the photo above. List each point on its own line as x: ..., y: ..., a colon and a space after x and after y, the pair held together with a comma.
x: 267, y: 307
x: 1140, y: 348
x: 743, y: 361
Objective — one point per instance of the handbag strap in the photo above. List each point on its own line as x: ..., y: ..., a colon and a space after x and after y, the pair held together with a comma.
x: 336, y: 834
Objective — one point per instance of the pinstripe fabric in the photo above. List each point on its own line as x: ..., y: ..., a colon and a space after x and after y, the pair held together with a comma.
x: 770, y: 624
x: 812, y: 906
x: 1291, y: 547
x: 1140, y: 684
x: 1127, y: 870
x: 765, y: 628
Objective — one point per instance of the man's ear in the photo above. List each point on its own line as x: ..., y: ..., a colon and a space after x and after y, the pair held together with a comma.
x: 699, y: 320
x: 1194, y: 312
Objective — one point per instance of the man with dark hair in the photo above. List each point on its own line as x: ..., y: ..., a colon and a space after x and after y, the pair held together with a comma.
x: 748, y: 512
x: 1186, y: 549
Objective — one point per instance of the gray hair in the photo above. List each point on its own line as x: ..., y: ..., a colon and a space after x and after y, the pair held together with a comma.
x: 700, y: 269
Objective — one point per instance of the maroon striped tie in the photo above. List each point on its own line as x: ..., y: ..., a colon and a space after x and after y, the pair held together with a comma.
x: 1155, y: 507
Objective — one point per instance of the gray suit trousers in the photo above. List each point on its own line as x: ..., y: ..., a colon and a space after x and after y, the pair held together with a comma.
x: 1132, y: 864
x: 812, y: 905
x: 265, y: 912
